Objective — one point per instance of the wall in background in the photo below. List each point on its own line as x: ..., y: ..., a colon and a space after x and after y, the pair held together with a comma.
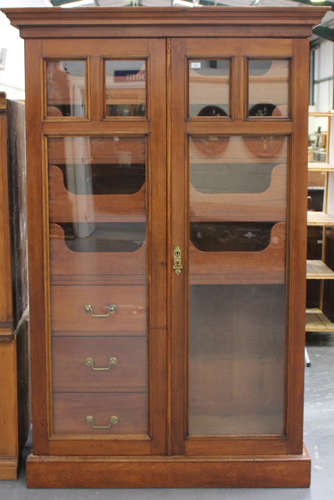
x: 323, y: 73
x: 12, y: 77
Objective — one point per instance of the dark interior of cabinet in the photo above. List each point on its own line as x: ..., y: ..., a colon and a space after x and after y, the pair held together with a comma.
x: 103, y: 179
x: 230, y: 236
x: 313, y: 295
x: 315, y: 199
x: 125, y: 110
x: 104, y: 237
x: 328, y: 300
x: 314, y: 242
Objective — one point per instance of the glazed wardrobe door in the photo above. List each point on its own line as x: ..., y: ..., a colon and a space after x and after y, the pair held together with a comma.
x: 235, y: 227
x: 102, y: 284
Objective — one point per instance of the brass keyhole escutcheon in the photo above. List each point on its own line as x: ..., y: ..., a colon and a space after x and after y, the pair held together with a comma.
x: 177, y: 261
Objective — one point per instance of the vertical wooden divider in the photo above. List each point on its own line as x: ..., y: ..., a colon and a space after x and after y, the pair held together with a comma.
x: 296, y: 284
x: 96, y: 93
x: 157, y: 273
x: 37, y: 241
x: 238, y: 93
x: 178, y: 237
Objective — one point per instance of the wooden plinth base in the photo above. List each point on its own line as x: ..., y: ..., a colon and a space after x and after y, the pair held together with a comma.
x: 288, y: 471
x: 8, y: 468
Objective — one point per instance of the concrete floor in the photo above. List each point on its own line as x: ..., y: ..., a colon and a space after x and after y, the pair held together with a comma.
x: 319, y: 438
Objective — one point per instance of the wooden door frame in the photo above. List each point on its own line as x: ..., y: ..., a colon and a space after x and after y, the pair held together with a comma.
x: 180, y: 127
x: 39, y: 128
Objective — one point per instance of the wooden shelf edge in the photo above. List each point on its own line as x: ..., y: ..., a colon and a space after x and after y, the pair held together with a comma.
x: 318, y: 270
x: 317, y: 321
x: 320, y: 167
x: 319, y: 219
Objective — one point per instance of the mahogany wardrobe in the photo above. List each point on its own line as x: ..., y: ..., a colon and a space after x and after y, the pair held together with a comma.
x: 167, y: 152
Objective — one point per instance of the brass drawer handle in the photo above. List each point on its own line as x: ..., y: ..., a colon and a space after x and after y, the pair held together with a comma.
x: 177, y: 267
x: 90, y: 421
x: 91, y: 363
x: 112, y: 308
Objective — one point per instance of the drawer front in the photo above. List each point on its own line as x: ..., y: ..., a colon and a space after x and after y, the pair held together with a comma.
x: 99, y: 364
x: 70, y: 311
x: 92, y: 413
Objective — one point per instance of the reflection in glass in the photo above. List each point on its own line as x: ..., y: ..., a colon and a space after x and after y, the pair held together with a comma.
x: 66, y: 88
x: 85, y: 172
x: 236, y: 366
x: 268, y: 88
x: 125, y: 93
x: 235, y: 164
x: 209, y: 87
x: 238, y: 198
x: 104, y: 237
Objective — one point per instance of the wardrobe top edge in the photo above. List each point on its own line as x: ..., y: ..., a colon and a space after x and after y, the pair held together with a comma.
x: 21, y: 17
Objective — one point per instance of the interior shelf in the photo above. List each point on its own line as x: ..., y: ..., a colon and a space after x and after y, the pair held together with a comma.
x: 319, y: 219
x: 316, y: 321
x: 320, y: 167
x: 317, y: 269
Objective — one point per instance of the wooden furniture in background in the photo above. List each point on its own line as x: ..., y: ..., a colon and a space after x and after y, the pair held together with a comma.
x: 13, y: 266
x: 167, y: 245
x: 320, y: 222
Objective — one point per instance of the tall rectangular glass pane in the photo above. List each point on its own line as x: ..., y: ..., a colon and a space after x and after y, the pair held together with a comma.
x: 268, y: 88
x: 209, y: 87
x: 238, y: 215
x: 97, y: 212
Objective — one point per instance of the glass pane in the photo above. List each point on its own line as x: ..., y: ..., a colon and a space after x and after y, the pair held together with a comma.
x: 236, y: 353
x: 318, y: 139
x: 238, y: 178
x: 209, y: 87
x: 66, y: 88
x: 230, y: 236
x: 268, y: 88
x: 97, y: 211
x: 238, y: 199
x: 97, y: 179
x: 125, y: 93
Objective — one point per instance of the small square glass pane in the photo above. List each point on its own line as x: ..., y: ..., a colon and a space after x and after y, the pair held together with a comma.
x: 125, y: 92
x: 268, y: 88
x: 66, y: 88
x: 209, y: 87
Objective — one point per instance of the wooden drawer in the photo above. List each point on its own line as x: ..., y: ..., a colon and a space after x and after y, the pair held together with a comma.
x: 68, y: 313
x: 263, y: 206
x: 70, y: 412
x: 67, y: 207
x: 65, y: 261
x: 99, y: 364
x: 265, y: 266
